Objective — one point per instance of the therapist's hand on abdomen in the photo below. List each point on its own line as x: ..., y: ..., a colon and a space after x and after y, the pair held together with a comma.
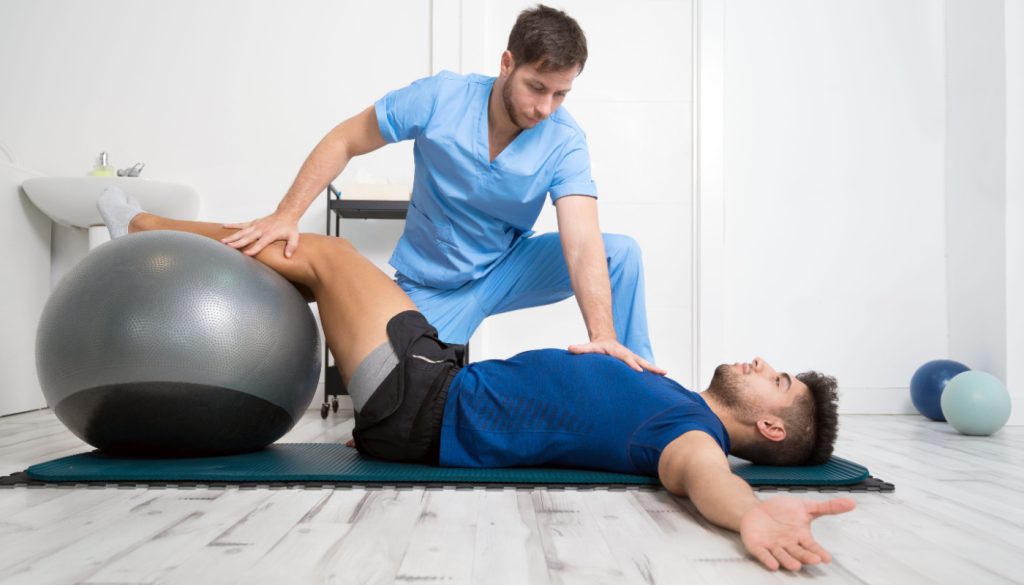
x: 615, y: 349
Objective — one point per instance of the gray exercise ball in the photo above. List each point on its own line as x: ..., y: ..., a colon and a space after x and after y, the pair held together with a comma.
x: 168, y: 344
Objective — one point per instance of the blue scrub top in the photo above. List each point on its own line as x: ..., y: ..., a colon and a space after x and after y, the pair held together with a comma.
x: 467, y: 212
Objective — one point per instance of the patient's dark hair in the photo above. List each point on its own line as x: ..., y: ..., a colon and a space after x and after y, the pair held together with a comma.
x: 549, y: 38
x: 811, y: 427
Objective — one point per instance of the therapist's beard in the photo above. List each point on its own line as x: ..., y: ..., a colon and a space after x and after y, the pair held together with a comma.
x: 506, y: 100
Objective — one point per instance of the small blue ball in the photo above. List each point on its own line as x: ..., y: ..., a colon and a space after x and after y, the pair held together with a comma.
x: 928, y: 383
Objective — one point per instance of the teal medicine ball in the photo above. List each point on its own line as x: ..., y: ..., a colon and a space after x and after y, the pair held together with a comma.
x: 976, y: 403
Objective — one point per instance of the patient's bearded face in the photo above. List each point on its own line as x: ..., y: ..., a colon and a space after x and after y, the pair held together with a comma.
x: 727, y: 387
x: 734, y: 391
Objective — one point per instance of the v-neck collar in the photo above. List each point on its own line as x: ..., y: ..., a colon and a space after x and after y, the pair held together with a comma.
x: 484, y: 131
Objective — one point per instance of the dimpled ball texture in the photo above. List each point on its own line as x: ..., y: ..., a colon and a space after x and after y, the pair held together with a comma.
x: 168, y: 343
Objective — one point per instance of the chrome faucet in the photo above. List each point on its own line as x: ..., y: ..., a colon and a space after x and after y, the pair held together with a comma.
x: 132, y: 172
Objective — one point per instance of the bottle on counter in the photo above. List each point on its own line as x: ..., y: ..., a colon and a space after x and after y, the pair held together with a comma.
x: 103, y: 167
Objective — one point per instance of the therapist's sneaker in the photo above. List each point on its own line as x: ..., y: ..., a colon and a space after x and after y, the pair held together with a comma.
x: 117, y: 209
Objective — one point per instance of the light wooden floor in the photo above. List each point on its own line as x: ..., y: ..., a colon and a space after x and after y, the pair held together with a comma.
x: 957, y: 516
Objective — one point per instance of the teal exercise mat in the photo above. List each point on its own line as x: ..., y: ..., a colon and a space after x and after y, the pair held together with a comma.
x: 304, y: 462
x: 318, y: 463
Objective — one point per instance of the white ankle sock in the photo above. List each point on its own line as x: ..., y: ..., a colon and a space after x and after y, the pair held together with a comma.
x: 117, y: 210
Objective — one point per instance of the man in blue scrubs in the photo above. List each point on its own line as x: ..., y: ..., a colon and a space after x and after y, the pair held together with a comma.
x: 488, y: 153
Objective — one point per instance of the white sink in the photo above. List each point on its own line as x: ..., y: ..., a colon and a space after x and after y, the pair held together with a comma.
x: 72, y: 200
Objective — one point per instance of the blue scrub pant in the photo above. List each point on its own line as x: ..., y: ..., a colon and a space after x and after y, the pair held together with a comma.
x: 534, y: 274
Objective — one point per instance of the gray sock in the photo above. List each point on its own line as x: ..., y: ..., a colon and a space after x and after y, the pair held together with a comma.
x: 117, y: 210
x: 370, y: 373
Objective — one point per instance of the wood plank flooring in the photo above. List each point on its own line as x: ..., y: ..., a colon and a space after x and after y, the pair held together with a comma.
x: 957, y: 516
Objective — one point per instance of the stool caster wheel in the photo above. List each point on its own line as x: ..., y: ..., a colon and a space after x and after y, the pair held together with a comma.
x: 324, y: 410
x: 334, y: 405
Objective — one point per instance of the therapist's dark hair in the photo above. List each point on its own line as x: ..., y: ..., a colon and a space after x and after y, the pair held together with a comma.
x: 548, y: 38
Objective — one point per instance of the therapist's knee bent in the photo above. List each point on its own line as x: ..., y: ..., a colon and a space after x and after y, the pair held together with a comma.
x: 622, y: 251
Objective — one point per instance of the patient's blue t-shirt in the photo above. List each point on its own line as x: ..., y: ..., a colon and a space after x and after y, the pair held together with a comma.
x: 552, y: 408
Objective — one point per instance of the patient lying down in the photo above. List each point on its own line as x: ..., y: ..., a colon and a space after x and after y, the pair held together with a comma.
x: 414, y: 400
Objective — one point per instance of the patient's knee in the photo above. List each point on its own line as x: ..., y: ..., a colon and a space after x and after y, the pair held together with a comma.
x: 322, y: 243
x: 323, y: 253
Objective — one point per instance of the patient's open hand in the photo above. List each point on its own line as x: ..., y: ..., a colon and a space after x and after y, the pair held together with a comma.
x: 778, y: 531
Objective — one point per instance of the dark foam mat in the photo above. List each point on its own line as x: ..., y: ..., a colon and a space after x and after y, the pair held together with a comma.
x: 335, y: 465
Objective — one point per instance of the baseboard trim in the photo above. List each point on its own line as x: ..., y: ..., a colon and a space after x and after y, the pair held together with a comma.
x: 875, y: 401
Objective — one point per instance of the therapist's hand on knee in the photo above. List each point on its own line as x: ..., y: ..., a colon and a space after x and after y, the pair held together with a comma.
x: 262, y: 232
x: 615, y: 349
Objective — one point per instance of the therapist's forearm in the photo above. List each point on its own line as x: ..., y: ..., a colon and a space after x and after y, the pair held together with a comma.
x: 322, y: 165
x: 588, y: 273
x: 353, y: 137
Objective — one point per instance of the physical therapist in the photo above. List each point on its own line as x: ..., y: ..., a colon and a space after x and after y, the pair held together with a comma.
x: 488, y: 151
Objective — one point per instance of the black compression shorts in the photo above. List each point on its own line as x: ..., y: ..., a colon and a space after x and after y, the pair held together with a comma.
x: 401, y: 421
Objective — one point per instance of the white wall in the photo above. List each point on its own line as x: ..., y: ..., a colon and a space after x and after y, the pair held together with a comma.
x: 1014, y: 39
x: 226, y: 96
x: 976, y: 183
x: 25, y: 239
x: 831, y: 197
x: 868, y: 146
x: 634, y: 101
x: 231, y: 96
x: 827, y: 116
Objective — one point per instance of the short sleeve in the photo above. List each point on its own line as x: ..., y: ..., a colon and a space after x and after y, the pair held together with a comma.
x: 402, y: 114
x: 572, y: 176
x: 647, y: 443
